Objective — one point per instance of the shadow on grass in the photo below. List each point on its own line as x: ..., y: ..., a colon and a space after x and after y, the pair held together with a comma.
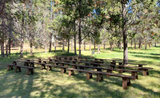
x: 22, y: 85
x: 151, y: 57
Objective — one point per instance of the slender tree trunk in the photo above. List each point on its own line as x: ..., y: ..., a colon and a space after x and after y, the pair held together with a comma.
x: 84, y: 45
x: 2, y: 49
x: 46, y: 47
x: 71, y: 44
x: 140, y: 43
x: 145, y: 45
x: 125, y: 44
x: 98, y: 48
x: 2, y: 44
x: 63, y: 46
x: 50, y: 43
x: 68, y: 46
x: 111, y: 45
x: 75, y: 52
x: 118, y: 44
x: 149, y: 44
x: 155, y: 44
x: 22, y: 39
x: 80, y: 28
x: 7, y: 50
x: 104, y: 45
x: 131, y: 42
x: 135, y: 43
x: 31, y: 48
x: 94, y: 46
x: 9, y: 46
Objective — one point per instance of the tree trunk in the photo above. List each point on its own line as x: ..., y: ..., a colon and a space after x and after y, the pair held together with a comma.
x: 79, y: 28
x: 2, y: 49
x: 6, y: 50
x: 104, y: 45
x: 63, y: 47
x: 111, y: 45
x: 71, y: 44
x: 145, y: 45
x: 22, y: 39
x: 131, y: 42
x: 46, y: 47
x: 155, y: 44
x: 68, y: 46
x: 50, y: 43
x: 149, y: 44
x: 140, y: 43
x: 98, y: 48
x: 31, y: 49
x: 135, y: 43
x: 75, y: 52
x: 84, y: 45
x: 125, y: 44
x: 2, y: 45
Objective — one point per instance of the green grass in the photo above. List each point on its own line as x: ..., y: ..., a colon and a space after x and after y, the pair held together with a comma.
x: 53, y: 84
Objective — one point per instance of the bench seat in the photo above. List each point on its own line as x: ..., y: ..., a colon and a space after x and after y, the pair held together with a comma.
x: 109, y: 70
x: 125, y: 78
x: 29, y: 69
x: 63, y: 68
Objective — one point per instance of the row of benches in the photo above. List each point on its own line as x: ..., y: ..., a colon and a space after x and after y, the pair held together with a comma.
x: 99, y: 73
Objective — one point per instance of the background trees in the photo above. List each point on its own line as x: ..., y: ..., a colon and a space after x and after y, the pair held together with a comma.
x: 133, y: 22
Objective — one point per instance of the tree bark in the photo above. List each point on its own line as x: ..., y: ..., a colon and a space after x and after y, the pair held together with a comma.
x: 80, y: 28
x: 131, y: 42
x: 22, y: 38
x: 111, y: 45
x: 135, y: 43
x: 145, y: 45
x: 63, y: 46
x: 6, y: 50
x: 68, y: 46
x: 75, y: 52
x: 140, y: 43
x: 104, y: 45
x: 31, y: 49
x: 46, y: 47
x: 72, y: 44
x: 125, y: 44
x: 84, y: 45
x: 50, y: 43
x: 98, y: 48
x: 2, y: 44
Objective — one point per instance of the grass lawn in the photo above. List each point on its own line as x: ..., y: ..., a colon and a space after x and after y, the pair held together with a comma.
x: 53, y: 84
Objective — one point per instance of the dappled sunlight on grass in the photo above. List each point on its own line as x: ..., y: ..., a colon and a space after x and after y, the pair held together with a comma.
x: 53, y: 84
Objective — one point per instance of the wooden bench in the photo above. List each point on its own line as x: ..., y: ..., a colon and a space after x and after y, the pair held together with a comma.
x: 29, y: 69
x: 125, y: 78
x: 121, y: 63
x: 144, y: 69
x: 63, y: 68
x: 109, y: 70
x: 27, y: 63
